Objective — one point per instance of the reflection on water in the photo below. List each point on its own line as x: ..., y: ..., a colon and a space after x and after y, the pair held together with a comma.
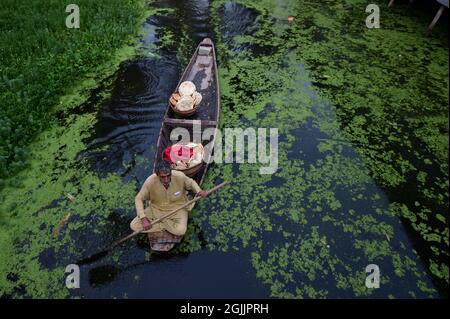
x: 102, y: 275
x: 232, y: 26
x: 129, y: 124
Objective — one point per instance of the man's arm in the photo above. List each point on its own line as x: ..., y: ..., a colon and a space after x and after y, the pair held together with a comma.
x: 140, y: 198
x: 190, y: 184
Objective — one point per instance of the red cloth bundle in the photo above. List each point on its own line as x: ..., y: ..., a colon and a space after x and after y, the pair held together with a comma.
x: 177, y: 153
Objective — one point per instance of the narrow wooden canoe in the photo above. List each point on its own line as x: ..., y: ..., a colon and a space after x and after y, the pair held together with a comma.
x: 202, y: 71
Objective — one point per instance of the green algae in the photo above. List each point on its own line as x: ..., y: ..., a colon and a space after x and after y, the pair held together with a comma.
x: 296, y: 223
x: 405, y: 87
x: 57, y: 186
x: 54, y: 173
x: 258, y: 90
x: 37, y: 71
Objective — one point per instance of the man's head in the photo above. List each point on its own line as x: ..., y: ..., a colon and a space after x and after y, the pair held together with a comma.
x: 164, y: 171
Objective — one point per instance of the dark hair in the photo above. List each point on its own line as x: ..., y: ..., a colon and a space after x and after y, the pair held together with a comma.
x: 163, y: 166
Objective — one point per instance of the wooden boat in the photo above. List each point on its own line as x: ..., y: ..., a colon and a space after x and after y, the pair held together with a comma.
x: 202, y: 71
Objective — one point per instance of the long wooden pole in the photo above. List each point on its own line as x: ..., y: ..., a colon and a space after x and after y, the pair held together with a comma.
x: 156, y: 221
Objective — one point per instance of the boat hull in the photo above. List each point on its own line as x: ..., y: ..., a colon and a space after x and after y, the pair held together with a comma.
x: 201, y: 126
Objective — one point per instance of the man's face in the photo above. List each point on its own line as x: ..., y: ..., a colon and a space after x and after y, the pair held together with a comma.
x: 164, y: 178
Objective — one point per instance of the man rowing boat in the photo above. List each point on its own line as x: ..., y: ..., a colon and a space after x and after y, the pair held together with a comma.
x: 166, y: 190
x: 158, y: 189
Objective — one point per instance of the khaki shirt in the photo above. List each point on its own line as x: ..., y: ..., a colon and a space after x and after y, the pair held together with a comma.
x: 163, y: 200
